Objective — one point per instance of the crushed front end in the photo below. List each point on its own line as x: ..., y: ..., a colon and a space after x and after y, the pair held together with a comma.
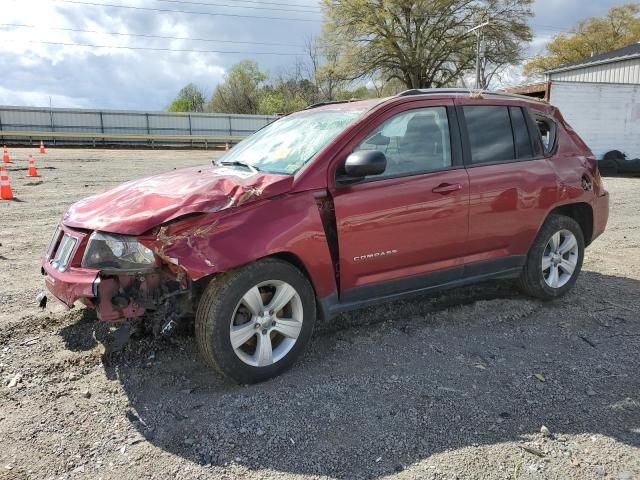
x: 117, y: 275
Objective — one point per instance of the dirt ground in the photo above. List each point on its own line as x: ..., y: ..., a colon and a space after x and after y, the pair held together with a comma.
x: 455, y: 386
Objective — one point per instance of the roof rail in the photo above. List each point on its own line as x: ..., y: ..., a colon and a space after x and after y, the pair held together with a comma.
x: 435, y: 91
x: 332, y: 102
x: 425, y: 91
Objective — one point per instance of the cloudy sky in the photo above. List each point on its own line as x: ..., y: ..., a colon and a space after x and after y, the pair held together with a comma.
x: 78, y: 53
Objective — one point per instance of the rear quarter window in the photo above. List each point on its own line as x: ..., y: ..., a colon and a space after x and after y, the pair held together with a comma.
x: 547, y: 130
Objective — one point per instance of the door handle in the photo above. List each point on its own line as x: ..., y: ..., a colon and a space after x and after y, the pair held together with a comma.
x: 446, y: 188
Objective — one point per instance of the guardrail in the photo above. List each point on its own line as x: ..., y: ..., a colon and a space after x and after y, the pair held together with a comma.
x: 73, y: 126
x: 36, y: 136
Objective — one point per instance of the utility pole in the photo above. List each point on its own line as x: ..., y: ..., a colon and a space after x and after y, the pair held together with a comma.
x: 479, y: 38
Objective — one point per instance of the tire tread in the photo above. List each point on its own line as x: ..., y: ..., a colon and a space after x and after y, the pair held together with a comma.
x: 212, y: 302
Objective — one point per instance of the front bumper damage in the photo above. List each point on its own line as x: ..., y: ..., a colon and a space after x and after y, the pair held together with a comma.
x: 71, y: 285
x: 160, y: 294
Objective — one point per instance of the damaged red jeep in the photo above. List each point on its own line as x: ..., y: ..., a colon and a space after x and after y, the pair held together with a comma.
x: 337, y: 207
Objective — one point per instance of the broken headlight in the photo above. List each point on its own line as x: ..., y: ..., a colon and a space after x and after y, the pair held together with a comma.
x: 106, y: 251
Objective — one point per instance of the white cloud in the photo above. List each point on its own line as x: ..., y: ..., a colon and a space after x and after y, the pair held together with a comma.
x: 121, y: 78
x: 133, y: 79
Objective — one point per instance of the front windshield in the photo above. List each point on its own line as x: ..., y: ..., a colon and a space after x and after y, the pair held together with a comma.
x: 287, y: 144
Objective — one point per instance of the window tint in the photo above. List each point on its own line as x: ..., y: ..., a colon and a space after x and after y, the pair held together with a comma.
x: 520, y: 133
x: 414, y: 141
x: 490, y: 136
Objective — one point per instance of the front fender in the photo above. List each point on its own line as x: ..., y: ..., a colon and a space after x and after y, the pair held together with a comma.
x: 214, y: 243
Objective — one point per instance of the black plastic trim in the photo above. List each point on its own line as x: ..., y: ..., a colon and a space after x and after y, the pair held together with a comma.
x: 361, y: 297
x: 442, y: 91
x: 414, y: 282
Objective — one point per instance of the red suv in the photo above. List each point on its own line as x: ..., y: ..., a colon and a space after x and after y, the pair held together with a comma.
x: 337, y: 207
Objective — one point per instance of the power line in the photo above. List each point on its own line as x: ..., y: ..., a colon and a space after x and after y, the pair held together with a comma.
x: 189, y: 12
x: 168, y: 37
x: 142, y: 35
x: 212, y: 4
x: 263, y: 3
x: 160, y: 49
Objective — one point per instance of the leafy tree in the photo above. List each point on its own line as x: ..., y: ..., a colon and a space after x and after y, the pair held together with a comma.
x: 360, y: 93
x: 596, y: 35
x: 274, y: 102
x: 190, y: 99
x: 284, y: 96
x: 240, y: 92
x: 424, y: 43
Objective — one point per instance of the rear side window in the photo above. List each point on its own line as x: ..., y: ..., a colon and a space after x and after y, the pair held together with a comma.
x: 524, y: 149
x: 490, y: 135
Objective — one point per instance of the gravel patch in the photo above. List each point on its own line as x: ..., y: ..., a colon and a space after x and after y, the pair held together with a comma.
x: 479, y: 382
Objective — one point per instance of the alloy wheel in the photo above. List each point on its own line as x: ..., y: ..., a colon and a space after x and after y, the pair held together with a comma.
x: 560, y: 258
x: 266, y: 323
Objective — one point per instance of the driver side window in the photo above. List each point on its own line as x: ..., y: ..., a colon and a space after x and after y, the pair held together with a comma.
x: 415, y: 141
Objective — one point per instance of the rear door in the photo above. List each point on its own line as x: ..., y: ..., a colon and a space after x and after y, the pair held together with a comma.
x: 511, y: 185
x: 407, y: 228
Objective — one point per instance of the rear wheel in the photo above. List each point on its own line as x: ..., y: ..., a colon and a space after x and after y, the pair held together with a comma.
x: 555, y: 259
x: 253, y: 322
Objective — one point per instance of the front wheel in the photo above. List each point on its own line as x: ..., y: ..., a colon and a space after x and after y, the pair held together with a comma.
x: 252, y: 323
x: 555, y: 259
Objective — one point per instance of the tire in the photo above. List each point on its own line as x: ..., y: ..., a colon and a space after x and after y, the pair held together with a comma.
x: 612, y: 160
x: 234, y: 298
x: 539, y: 282
x: 608, y: 167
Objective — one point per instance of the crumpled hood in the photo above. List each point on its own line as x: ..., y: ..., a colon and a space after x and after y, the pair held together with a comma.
x: 137, y: 206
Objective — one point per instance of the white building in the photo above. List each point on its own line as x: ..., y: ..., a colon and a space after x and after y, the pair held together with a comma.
x: 600, y: 98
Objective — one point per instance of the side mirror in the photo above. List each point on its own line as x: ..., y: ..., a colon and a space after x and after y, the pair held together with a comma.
x: 363, y: 164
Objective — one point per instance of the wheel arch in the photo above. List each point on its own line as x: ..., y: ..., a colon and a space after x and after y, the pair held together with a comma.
x: 297, y: 262
x: 322, y: 307
x: 284, y: 256
x: 582, y: 213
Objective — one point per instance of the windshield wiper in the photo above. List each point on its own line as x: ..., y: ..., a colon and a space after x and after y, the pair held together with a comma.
x: 236, y: 163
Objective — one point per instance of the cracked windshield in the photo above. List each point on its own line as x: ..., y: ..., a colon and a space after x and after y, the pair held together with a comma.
x: 289, y: 143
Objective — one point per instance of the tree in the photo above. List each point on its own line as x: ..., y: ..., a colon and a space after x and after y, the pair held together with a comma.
x: 240, y: 91
x: 423, y: 43
x: 284, y: 96
x: 324, y: 68
x: 502, y: 42
x: 190, y: 99
x: 593, y: 36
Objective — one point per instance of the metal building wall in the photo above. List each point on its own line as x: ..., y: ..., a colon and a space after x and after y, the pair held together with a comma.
x: 606, y: 116
x: 622, y: 71
x: 107, y: 124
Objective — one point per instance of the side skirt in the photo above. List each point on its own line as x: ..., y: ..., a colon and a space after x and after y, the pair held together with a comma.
x: 370, y: 295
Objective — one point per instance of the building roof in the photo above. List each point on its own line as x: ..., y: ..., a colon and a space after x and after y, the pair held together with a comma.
x: 624, y: 53
x: 537, y: 90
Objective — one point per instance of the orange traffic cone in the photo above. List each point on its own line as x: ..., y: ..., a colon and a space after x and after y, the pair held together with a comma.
x: 5, y: 156
x: 5, y: 189
x: 32, y: 167
x: 42, y: 150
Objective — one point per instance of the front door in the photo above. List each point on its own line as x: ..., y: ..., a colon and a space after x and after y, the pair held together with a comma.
x: 406, y: 228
